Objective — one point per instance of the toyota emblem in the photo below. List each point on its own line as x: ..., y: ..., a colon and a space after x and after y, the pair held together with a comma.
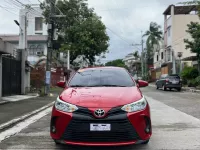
x: 99, y: 113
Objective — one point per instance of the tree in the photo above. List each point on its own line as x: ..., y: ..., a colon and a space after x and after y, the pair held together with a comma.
x: 136, y: 55
x: 194, y: 44
x: 81, y: 31
x: 193, y: 2
x: 154, y: 35
x: 116, y: 63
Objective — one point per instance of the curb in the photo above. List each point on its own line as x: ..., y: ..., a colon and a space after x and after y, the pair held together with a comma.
x: 183, y: 88
x: 3, y: 102
x: 22, y: 118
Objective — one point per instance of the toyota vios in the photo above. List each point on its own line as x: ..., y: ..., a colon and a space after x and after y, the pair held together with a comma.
x: 101, y: 107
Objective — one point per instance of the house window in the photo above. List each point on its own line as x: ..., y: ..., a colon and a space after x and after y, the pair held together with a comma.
x: 169, y: 55
x: 169, y: 31
x: 157, y: 57
x: 31, y: 49
x: 35, y: 49
x: 38, y: 23
x: 162, y: 55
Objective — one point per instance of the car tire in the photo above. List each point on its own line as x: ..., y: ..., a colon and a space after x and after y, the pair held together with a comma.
x: 164, y: 88
x: 170, y: 89
x: 145, y: 142
x: 179, y: 89
x: 157, y: 87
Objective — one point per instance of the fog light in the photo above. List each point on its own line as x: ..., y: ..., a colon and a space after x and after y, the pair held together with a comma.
x: 148, y: 125
x: 53, y: 129
x: 53, y: 125
x: 147, y: 130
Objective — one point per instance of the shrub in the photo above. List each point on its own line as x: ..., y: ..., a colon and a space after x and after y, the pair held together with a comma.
x: 192, y: 83
x: 189, y: 73
x: 198, y: 80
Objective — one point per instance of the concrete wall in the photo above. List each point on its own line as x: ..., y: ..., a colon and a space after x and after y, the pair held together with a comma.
x: 169, y: 29
x: 31, y: 21
x: 6, y: 48
x: 179, y: 33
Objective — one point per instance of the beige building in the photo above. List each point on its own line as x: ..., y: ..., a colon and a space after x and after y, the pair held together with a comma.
x: 176, y: 19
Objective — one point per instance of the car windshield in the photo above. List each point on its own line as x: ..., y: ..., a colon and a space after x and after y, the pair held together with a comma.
x: 102, y: 78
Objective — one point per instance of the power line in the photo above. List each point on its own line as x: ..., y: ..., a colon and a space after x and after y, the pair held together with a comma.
x: 118, y: 35
x: 15, y: 3
x: 8, y: 10
x: 121, y: 37
x: 20, y: 3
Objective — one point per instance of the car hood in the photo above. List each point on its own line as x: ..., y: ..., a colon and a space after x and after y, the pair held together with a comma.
x: 101, y: 97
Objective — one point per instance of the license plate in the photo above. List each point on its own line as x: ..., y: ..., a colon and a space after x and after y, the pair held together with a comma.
x: 100, y: 127
x: 174, y: 82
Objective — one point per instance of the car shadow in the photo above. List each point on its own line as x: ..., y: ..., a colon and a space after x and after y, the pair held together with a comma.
x: 131, y: 147
x: 173, y: 90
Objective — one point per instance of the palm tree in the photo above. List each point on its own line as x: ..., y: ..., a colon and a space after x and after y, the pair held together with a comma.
x: 154, y: 35
x: 136, y: 55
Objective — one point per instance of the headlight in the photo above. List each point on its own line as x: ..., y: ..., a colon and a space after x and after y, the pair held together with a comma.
x: 136, y: 106
x: 63, y: 106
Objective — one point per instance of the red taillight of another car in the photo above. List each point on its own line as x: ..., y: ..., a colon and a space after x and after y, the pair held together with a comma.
x: 167, y: 80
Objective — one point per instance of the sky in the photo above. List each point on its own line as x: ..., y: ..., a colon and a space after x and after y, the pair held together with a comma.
x: 125, y: 20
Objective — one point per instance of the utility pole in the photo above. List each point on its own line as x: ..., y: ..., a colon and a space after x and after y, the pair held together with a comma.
x: 142, y: 60
x: 173, y: 62
x: 68, y: 60
x: 23, y: 47
x: 49, y: 49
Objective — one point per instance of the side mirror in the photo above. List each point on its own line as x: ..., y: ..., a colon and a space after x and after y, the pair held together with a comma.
x: 61, y: 84
x: 142, y: 83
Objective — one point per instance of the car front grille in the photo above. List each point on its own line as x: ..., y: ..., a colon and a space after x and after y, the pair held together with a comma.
x: 122, y: 130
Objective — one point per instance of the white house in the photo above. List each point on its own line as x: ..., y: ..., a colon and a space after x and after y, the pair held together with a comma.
x: 134, y: 64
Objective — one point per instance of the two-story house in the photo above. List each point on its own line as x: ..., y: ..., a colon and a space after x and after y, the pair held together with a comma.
x: 36, y: 35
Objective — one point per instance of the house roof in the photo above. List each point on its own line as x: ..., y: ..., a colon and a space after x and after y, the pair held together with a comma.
x: 15, y: 37
x: 180, y: 9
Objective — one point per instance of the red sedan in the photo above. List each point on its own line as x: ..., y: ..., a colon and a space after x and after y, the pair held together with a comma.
x: 101, y: 107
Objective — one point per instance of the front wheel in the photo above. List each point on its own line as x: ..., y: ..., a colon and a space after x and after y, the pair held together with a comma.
x: 164, y: 88
x: 157, y: 87
x: 179, y: 89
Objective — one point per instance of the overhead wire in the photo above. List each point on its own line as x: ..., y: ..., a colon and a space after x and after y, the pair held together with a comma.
x: 28, y: 7
x: 120, y: 37
x: 123, y: 22
x: 8, y: 10
x: 9, y: 3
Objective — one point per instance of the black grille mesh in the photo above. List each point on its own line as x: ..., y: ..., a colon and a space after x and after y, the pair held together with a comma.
x: 122, y: 130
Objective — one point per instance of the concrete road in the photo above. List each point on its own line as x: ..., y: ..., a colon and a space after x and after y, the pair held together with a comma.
x: 175, y: 119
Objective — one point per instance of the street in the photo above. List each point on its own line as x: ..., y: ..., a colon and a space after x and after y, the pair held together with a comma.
x: 175, y: 119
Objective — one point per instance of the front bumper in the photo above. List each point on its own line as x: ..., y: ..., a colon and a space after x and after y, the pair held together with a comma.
x: 126, y: 128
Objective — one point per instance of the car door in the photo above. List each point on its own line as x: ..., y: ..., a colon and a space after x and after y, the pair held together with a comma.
x: 158, y: 82
x: 162, y: 80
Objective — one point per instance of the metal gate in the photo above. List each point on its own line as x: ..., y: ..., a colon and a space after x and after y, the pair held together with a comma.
x: 11, y: 76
